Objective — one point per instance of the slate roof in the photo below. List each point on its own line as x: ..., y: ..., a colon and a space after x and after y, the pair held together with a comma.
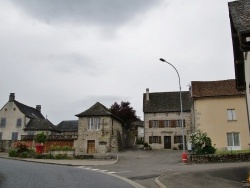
x: 166, y: 102
x: 29, y: 111
x: 97, y: 110
x: 240, y: 20
x: 68, y: 126
x: 214, y: 88
x: 40, y: 124
x: 240, y: 12
x: 138, y: 123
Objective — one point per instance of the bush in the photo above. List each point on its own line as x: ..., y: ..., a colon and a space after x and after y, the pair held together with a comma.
x: 139, y: 142
x: 146, y: 145
x: 41, y: 138
x: 21, y: 147
x: 24, y: 154
x: 12, y: 153
x: 201, y: 143
x: 59, y: 148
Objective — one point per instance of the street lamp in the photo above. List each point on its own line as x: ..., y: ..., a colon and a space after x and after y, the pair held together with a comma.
x: 184, y: 155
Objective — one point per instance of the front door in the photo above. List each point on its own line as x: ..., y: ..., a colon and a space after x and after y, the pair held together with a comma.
x: 91, y: 146
x: 167, y: 142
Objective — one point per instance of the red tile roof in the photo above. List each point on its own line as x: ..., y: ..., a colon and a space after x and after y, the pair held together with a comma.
x: 214, y: 88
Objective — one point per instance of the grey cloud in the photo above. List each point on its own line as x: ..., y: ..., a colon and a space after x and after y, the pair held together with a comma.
x: 108, y: 12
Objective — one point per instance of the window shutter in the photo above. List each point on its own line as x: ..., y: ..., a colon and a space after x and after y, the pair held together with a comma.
x: 173, y: 123
x: 184, y: 124
x: 150, y: 140
x: 150, y: 123
x: 159, y: 139
x: 161, y: 124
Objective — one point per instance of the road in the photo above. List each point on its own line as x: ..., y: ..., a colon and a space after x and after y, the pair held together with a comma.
x: 16, y: 174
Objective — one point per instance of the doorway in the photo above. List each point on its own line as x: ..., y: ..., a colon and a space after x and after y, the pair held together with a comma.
x: 167, y: 142
x: 91, y: 146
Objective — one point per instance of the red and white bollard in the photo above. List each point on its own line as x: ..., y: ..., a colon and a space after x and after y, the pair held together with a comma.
x: 184, y: 157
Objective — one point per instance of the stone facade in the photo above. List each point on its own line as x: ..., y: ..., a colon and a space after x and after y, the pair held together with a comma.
x: 163, y: 132
x: 105, y: 137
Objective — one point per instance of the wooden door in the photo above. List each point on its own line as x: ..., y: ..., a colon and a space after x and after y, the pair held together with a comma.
x: 167, y: 142
x: 91, y: 146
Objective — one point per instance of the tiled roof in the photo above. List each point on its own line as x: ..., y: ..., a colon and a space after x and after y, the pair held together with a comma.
x: 214, y: 88
x: 97, y: 110
x: 40, y: 124
x: 68, y: 126
x: 29, y: 111
x: 240, y: 12
x: 166, y: 102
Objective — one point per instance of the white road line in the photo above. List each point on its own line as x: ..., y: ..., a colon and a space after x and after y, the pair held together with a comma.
x: 111, y: 172
x: 95, y: 169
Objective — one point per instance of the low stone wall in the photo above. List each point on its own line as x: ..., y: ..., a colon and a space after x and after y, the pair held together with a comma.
x: 220, y: 158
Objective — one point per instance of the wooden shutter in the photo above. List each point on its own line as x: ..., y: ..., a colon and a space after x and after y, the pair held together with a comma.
x: 184, y: 124
x: 161, y: 124
x: 159, y: 139
x: 173, y: 123
x: 150, y: 123
x: 150, y: 140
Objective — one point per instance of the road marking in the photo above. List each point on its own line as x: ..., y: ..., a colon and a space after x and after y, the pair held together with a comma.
x: 99, y: 170
x: 122, y: 172
x: 111, y: 172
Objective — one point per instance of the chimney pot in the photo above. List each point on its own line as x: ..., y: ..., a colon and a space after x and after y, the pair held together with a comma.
x: 38, y: 107
x: 12, y: 97
x: 147, y: 94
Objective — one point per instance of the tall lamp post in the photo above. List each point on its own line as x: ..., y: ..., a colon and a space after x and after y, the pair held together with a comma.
x: 184, y: 155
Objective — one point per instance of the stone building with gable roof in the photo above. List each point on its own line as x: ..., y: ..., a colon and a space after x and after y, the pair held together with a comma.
x: 162, y: 119
x: 220, y: 110
x: 99, y: 131
x: 239, y: 13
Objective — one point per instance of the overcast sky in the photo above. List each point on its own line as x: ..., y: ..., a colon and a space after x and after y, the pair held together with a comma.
x: 68, y: 55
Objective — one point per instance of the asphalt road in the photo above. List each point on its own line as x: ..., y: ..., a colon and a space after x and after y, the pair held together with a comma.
x: 16, y: 174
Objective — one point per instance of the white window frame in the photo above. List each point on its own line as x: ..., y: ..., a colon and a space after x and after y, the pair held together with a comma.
x: 155, y: 124
x: 233, y: 141
x: 167, y: 123
x: 178, y: 123
x: 94, y: 123
x: 231, y: 115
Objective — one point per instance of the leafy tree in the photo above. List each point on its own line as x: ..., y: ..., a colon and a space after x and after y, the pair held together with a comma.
x: 41, y: 138
x: 125, y: 112
x: 201, y: 143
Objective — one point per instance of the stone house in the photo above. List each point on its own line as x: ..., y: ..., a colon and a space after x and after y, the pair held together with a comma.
x: 99, y: 131
x: 239, y: 14
x: 138, y: 129
x: 220, y: 110
x: 162, y: 118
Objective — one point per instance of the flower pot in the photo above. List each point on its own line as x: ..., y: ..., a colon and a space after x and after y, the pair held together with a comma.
x: 39, y: 148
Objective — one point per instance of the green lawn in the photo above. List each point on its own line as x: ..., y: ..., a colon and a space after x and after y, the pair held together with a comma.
x: 230, y: 152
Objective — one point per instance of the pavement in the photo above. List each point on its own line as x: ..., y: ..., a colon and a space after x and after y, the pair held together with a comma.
x: 166, y: 172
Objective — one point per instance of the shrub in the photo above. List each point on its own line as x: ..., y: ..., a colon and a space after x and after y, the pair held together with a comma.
x: 21, y: 147
x: 201, y: 143
x: 146, y: 145
x: 12, y: 153
x: 139, y: 142
x: 41, y: 138
x: 24, y: 154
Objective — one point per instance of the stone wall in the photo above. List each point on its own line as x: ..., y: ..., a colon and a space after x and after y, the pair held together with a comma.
x: 222, y: 158
x: 168, y: 131
x: 5, y: 145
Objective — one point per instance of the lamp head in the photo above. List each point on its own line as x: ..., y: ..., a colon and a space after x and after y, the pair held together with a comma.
x: 161, y: 59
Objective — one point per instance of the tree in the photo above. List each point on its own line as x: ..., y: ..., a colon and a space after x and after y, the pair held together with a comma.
x: 201, y: 143
x: 125, y: 112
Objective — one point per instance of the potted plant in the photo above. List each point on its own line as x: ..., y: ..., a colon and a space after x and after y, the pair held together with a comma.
x: 40, y: 139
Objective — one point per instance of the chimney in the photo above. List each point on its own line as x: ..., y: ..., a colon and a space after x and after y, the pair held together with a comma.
x: 38, y: 107
x: 12, y: 97
x: 147, y: 94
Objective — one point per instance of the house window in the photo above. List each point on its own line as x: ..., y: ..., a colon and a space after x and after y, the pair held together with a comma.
x: 19, y: 122
x: 94, y: 123
x: 166, y: 123
x: 3, y: 122
x: 1, y: 135
x: 178, y: 124
x: 155, y: 139
x: 231, y: 115
x: 14, y: 135
x: 155, y: 124
x: 233, y: 139
x: 178, y: 139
